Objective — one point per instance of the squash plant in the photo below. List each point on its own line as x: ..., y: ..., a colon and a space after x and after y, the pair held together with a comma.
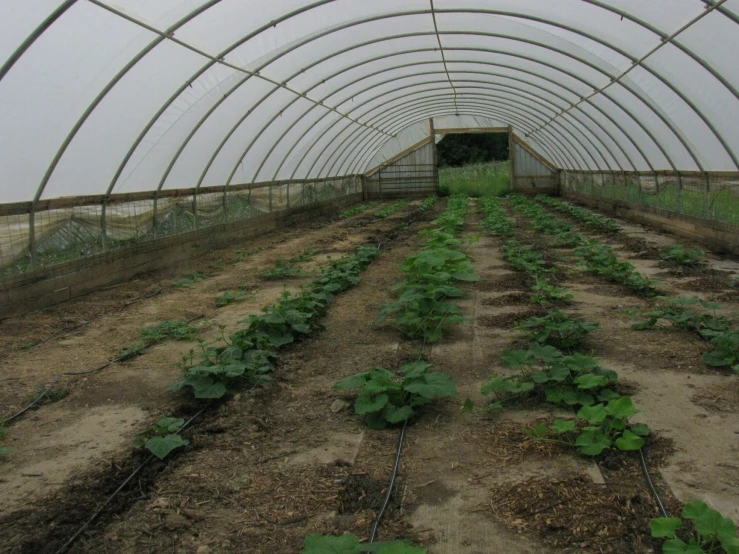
x: 161, y: 439
x: 386, y: 398
x: 713, y: 533
x: 557, y: 329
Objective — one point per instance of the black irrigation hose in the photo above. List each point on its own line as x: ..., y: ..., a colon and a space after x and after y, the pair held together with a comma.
x: 390, y: 486
x: 645, y: 471
x: 123, y: 485
x: 79, y: 373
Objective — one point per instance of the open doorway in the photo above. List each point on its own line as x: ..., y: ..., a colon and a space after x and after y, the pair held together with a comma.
x: 474, y: 162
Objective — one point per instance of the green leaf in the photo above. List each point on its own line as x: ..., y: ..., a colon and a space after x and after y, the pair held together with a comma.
x: 162, y: 446
x: 353, y: 382
x: 433, y: 385
x: 716, y: 359
x: 208, y: 389
x: 593, y: 414
x: 396, y: 415
x: 676, y: 546
x: 644, y: 325
x: 592, y: 442
x: 171, y: 424
x: 320, y: 544
x: 400, y: 547
x: 415, y: 369
x: 695, y: 509
x: 546, y: 354
x: 641, y: 430
x: 366, y: 404
x: 517, y: 359
x: 563, y: 426
x: 591, y: 381
x: 665, y: 527
x: 629, y: 441
x: 622, y: 408
x: 468, y: 406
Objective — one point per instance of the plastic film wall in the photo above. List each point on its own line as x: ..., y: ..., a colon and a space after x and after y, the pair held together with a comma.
x: 107, y: 98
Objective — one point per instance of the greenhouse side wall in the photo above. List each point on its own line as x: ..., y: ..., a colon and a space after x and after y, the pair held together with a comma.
x: 82, y: 244
x: 530, y: 173
x: 700, y: 206
x: 415, y: 174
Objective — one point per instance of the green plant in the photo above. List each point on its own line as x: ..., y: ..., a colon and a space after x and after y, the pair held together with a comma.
x: 391, y: 209
x: 545, y: 293
x: 557, y: 329
x: 495, y: 221
x: 734, y: 283
x: 726, y: 344
x: 306, y: 256
x: 684, y: 256
x: 386, y: 398
x: 167, y: 329
x: 349, y: 544
x: 358, y: 210
x: 245, y: 358
x: 283, y: 269
x: 588, y: 218
x: 545, y: 372
x: 4, y: 450
x: 161, y: 439
x: 50, y: 397
x: 233, y: 296
x: 185, y: 282
x: 476, y: 180
x: 713, y: 533
x: 428, y: 203
x: 675, y: 310
x: 600, y: 259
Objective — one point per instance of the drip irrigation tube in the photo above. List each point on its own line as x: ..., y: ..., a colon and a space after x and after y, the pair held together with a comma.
x: 79, y: 373
x: 645, y: 471
x: 390, y: 486
x: 123, y: 485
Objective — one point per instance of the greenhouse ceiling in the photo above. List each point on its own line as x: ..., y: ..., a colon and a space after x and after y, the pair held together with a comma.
x: 101, y: 96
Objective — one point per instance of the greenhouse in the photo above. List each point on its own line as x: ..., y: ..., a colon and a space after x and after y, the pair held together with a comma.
x: 255, y: 298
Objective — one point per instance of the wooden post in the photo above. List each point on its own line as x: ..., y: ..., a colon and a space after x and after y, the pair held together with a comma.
x: 435, y: 157
x: 512, y: 156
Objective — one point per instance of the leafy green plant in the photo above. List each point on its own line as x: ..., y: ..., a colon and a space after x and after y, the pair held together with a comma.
x: 676, y: 311
x: 358, y: 210
x: 161, y: 439
x: 600, y: 260
x: 713, y: 533
x: 589, y: 219
x: 557, y: 329
x: 50, y: 397
x: 283, y: 269
x: 428, y: 203
x: 306, y: 256
x: 349, y: 544
x: 547, y: 373
x: 245, y: 357
x: 233, y: 296
x: 167, y: 329
x: 186, y: 281
x: 547, y: 294
x: 4, y: 450
x: 684, y: 256
x: 726, y: 348
x: 391, y: 209
x: 386, y: 398
x: 495, y: 222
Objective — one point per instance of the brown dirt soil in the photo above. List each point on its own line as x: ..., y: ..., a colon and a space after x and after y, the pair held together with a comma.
x: 275, y: 464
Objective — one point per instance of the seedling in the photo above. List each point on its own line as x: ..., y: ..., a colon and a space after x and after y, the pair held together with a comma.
x: 283, y: 269
x: 675, y: 310
x: 429, y: 203
x: 547, y: 294
x: 391, y: 209
x: 557, y: 329
x: 349, y: 544
x: 52, y: 396
x: 387, y: 398
x: 684, y: 256
x: 712, y: 533
x: 358, y: 210
x: 186, y: 281
x: 601, y: 260
x: 167, y: 329
x: 161, y: 439
x: 233, y: 296
x: 306, y: 256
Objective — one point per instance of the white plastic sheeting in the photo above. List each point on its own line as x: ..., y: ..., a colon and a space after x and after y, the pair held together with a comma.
x: 110, y: 96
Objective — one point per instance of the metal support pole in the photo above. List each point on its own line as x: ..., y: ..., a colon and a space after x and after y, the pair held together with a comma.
x: 512, y: 156
x: 104, y: 224
x: 32, y: 235
x: 708, y: 196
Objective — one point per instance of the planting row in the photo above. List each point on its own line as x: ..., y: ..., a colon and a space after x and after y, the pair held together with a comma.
x: 554, y: 371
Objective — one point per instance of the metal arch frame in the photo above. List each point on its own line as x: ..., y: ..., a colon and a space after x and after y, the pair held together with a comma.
x: 504, y: 102
x: 437, y: 112
x: 441, y: 48
x: 512, y: 14
x: 506, y: 87
x: 561, y: 155
x: 505, y: 108
x: 401, y: 119
x: 473, y: 72
x: 628, y: 113
x: 727, y: 12
x: 517, y: 70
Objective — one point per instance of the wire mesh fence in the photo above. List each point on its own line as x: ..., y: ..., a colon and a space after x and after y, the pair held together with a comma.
x: 709, y: 196
x: 50, y: 237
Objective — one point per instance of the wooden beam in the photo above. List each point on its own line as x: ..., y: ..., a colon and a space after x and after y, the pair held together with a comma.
x: 397, y: 157
x: 461, y: 131
x: 533, y: 152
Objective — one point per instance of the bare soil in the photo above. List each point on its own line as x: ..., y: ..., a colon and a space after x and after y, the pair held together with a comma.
x: 275, y: 464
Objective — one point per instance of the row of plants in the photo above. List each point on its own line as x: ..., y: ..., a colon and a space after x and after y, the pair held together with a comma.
x: 428, y: 203
x: 716, y: 329
x: 391, y: 209
x: 495, y: 222
x: 422, y: 310
x: 603, y: 416
x: 358, y: 210
x: 591, y: 221
x: 596, y: 258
